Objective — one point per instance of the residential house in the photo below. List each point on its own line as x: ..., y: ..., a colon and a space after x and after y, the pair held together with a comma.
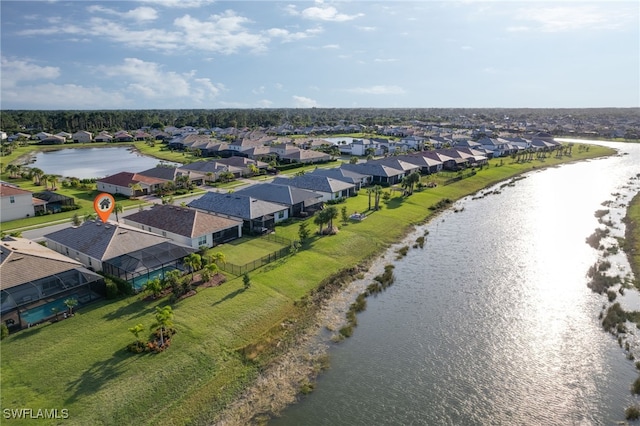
x: 349, y: 176
x: 185, y: 226
x: 328, y: 188
x: 104, y: 137
x: 65, y: 135
x: 257, y: 215
x: 82, y: 136
x: 42, y: 135
x: 300, y: 201
x: 54, y: 202
x: 426, y: 165
x: 125, y: 183
x: 15, y: 203
x: 119, y: 250
x: 304, y: 156
x: 53, y: 140
x: 19, y: 137
x: 35, y: 281
x: 380, y: 173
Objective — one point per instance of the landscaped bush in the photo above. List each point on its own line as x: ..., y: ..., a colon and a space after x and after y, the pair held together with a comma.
x: 4, y: 331
x: 635, y: 388
x: 112, y: 288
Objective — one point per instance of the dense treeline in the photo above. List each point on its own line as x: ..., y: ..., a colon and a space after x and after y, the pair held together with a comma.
x: 12, y: 121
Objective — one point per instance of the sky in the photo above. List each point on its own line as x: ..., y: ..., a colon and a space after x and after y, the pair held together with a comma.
x: 183, y: 54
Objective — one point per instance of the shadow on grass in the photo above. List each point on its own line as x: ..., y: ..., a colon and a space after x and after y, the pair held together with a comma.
x: 395, y: 202
x: 228, y: 297
x: 28, y: 332
x: 135, y: 309
x: 100, y: 373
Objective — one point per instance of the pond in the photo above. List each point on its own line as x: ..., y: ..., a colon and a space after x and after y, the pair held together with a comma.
x: 86, y: 163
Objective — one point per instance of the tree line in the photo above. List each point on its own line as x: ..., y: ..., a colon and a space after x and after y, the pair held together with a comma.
x: 12, y: 121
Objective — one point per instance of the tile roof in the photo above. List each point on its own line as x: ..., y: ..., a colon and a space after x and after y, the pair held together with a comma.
x: 282, y: 194
x: 22, y: 260
x: 7, y: 190
x: 236, y: 205
x: 182, y: 221
x: 104, y: 240
x: 315, y: 183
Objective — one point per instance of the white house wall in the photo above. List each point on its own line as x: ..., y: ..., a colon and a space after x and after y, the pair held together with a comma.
x: 21, y: 207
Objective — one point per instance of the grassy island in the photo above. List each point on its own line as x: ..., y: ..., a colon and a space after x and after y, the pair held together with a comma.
x: 225, y: 335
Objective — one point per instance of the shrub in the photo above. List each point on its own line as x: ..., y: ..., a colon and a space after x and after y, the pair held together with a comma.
x: 112, y: 288
x: 635, y: 388
x: 4, y: 331
x: 611, y: 295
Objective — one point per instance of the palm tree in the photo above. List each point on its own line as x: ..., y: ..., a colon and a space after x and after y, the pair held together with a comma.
x: 209, y: 271
x: 164, y: 320
x: 194, y: 262
x: 219, y: 257
x: 53, y: 180
x: 331, y: 213
x: 154, y: 287
x: 136, y: 330
x: 320, y: 220
x: 36, y: 174
x: 135, y: 188
x: 253, y: 169
x: 117, y: 208
x: 11, y: 169
x: 410, y: 181
x: 377, y: 192
x: 71, y: 303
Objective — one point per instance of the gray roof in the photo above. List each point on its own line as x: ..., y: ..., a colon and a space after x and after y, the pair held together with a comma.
x: 182, y: 221
x: 22, y: 261
x: 236, y: 205
x: 373, y: 169
x: 104, y: 240
x: 161, y: 172
x: 315, y: 183
x: 281, y: 194
x: 339, y: 173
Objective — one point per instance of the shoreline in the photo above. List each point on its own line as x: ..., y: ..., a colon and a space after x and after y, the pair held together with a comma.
x: 295, y: 371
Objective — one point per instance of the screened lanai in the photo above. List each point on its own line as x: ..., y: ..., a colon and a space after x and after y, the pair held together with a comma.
x: 139, y: 266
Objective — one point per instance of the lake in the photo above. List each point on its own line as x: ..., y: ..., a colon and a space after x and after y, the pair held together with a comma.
x: 492, y: 321
x: 85, y: 163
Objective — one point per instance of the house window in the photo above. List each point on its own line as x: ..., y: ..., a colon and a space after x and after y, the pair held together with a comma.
x: 89, y: 261
x: 12, y: 199
x: 281, y: 215
x: 164, y: 234
x: 202, y: 241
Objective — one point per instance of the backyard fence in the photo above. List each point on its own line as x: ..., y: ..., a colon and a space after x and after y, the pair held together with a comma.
x: 264, y: 260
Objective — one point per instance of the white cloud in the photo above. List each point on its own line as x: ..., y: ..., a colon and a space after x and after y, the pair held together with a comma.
x: 16, y: 70
x: 321, y: 12
x: 331, y: 46
x: 63, y: 96
x: 287, y: 36
x: 140, y: 14
x: 302, y: 102
x: 574, y: 17
x: 367, y: 29
x: 223, y: 33
x: 179, y: 4
x: 148, y: 79
x: 260, y: 90
x: 385, y: 60
x: 378, y: 90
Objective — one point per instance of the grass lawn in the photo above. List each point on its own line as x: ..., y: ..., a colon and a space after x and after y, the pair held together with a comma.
x: 246, y: 249
x: 80, y: 363
x: 632, y: 236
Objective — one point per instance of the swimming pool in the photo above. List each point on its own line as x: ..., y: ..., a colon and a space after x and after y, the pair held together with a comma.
x: 37, y: 314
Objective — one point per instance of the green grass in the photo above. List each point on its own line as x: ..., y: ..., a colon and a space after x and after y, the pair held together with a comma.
x: 80, y: 363
x: 246, y: 249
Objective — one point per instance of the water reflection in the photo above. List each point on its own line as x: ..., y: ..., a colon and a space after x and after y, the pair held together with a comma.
x: 490, y: 323
x: 92, y: 162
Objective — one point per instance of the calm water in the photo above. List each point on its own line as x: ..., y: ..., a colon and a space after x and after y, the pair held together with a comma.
x: 92, y: 162
x: 491, y: 322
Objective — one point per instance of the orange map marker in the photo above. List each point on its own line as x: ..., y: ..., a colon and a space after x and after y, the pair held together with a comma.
x: 103, y: 205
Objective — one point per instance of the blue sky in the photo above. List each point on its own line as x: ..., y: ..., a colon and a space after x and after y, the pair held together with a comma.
x: 279, y: 54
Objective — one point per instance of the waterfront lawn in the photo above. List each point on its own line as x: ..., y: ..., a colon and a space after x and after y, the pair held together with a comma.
x: 245, y: 249
x: 80, y: 363
x: 632, y: 236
